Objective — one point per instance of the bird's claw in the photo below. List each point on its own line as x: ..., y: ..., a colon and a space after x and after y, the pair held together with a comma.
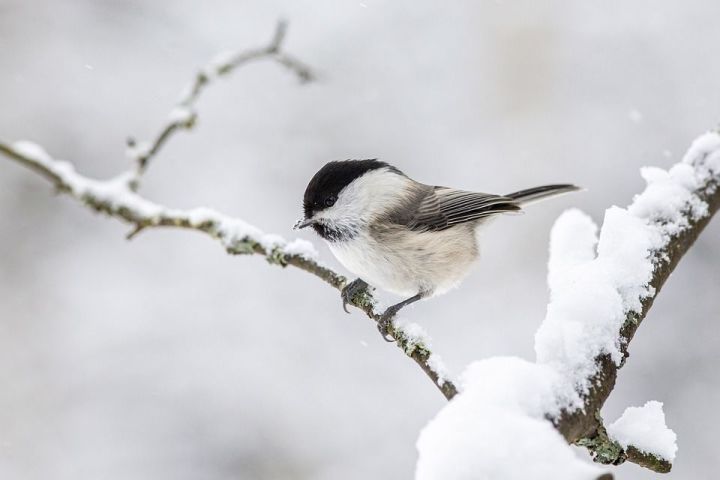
x: 351, y: 290
x: 384, y: 323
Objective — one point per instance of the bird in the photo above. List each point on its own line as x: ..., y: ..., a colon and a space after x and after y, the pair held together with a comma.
x: 405, y: 237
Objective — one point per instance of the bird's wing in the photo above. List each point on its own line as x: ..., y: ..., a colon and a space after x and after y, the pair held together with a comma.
x: 443, y: 207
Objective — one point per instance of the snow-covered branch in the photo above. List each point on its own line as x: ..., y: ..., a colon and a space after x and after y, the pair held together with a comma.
x: 118, y: 198
x: 602, y: 287
x: 638, y: 249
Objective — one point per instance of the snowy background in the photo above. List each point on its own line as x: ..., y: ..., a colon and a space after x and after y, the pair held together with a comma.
x: 163, y: 358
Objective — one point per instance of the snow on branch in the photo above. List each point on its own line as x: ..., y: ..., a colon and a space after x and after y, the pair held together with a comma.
x: 118, y: 198
x: 644, y: 429
x: 602, y: 287
x: 659, y: 226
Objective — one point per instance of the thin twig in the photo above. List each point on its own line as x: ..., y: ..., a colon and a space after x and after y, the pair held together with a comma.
x: 184, y: 116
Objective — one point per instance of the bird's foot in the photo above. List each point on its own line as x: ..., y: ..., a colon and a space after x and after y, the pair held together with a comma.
x: 352, y: 290
x: 385, y: 321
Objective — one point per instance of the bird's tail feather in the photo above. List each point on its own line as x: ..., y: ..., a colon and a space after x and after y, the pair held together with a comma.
x: 532, y: 195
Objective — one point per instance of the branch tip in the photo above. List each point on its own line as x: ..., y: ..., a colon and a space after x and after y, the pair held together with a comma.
x: 135, y: 231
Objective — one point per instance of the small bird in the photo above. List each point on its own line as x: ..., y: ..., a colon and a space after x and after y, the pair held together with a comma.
x: 408, y: 238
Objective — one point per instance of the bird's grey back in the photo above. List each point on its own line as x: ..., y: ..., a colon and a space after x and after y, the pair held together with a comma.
x: 434, y: 208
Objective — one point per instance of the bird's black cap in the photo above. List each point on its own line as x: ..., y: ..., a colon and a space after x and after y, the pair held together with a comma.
x: 324, y: 187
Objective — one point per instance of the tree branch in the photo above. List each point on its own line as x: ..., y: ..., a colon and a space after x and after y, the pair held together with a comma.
x: 584, y: 426
x: 115, y: 198
x: 609, y: 452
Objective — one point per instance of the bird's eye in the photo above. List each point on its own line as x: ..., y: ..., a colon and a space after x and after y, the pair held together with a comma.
x: 330, y: 201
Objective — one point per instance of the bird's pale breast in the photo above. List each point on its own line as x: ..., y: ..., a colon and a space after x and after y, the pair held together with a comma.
x: 405, y: 262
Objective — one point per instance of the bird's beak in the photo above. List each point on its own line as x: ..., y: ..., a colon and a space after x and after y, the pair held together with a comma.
x: 304, y: 222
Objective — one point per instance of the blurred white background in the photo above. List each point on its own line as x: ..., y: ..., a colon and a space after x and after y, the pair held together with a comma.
x: 164, y: 358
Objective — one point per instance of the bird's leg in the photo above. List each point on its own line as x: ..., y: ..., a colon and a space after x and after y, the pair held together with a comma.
x: 384, y: 321
x: 352, y: 289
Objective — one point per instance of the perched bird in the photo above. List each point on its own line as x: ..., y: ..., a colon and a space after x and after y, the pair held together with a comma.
x: 403, y: 236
